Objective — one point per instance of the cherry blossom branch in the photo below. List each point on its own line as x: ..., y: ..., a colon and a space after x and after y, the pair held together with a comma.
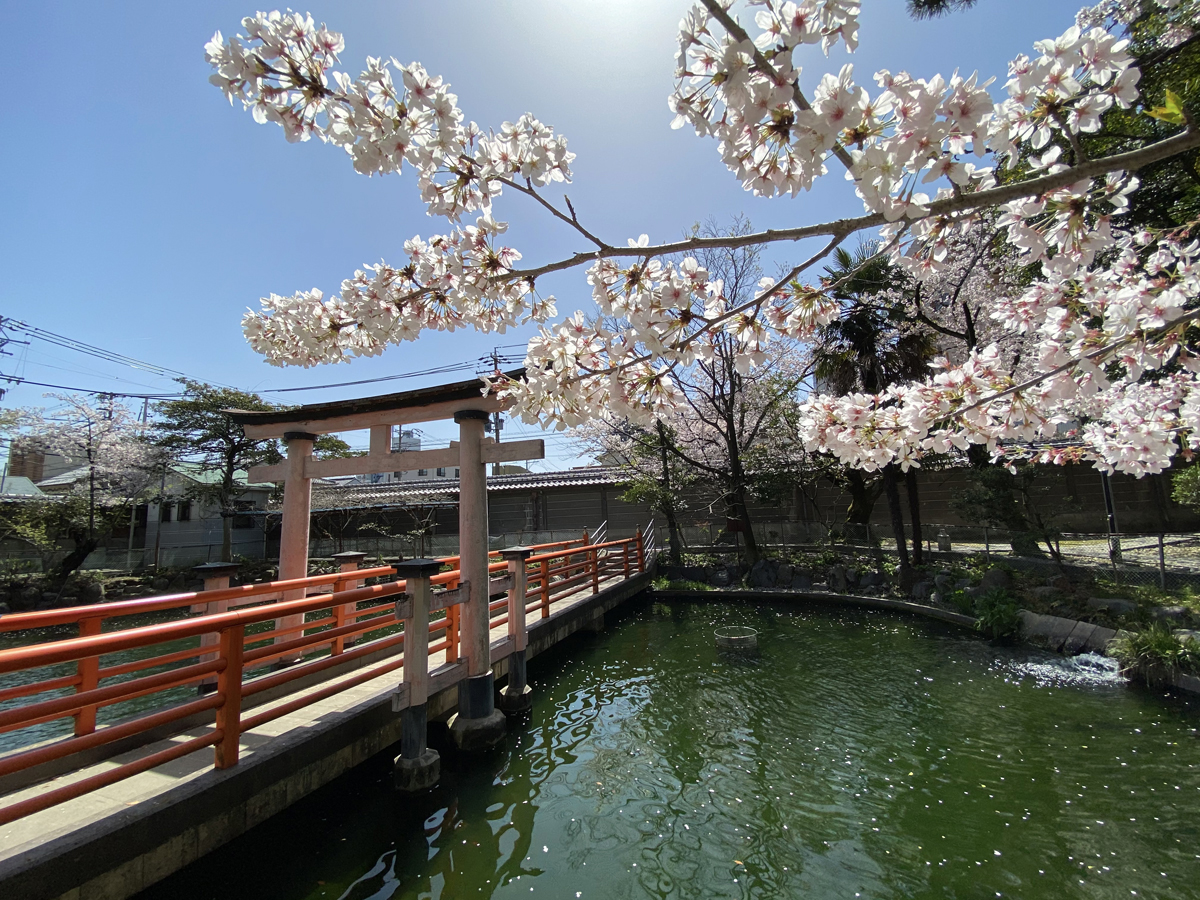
x: 530, y: 191
x: 1098, y: 354
x: 764, y: 66
x: 1188, y: 139
x: 708, y: 325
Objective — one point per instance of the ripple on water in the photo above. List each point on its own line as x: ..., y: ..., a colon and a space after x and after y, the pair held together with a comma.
x: 1084, y: 670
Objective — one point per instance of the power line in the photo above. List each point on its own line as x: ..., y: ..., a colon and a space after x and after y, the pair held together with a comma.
x: 12, y: 379
x: 440, y: 370
x: 60, y: 340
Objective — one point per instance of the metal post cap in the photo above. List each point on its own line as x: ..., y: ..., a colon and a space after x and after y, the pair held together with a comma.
x: 418, y: 568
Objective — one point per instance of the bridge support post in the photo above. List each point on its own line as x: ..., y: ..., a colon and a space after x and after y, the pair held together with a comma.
x: 293, y: 538
x: 517, y: 697
x: 478, y: 724
x: 418, y: 767
x: 216, y: 577
x: 349, y: 561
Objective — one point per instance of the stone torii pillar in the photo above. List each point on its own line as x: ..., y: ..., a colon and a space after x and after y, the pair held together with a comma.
x: 477, y: 724
x: 293, y: 539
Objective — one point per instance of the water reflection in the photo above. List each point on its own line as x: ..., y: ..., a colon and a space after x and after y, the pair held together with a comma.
x: 858, y: 755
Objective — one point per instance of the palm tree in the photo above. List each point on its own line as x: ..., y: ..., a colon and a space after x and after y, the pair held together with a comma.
x: 928, y: 9
x: 871, y: 346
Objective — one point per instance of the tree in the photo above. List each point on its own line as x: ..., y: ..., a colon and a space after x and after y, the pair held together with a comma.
x: 653, y: 473
x: 928, y: 9
x: 1108, y: 306
x: 869, y: 348
x: 196, y: 429
x: 105, y: 440
x: 726, y: 407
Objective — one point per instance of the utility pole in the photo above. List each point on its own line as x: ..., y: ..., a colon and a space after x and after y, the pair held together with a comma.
x: 497, y: 423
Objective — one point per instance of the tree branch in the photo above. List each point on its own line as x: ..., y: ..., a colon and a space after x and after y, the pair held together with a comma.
x: 1188, y: 139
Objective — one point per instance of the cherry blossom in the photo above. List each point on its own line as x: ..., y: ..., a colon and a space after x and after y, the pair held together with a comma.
x: 1105, y: 356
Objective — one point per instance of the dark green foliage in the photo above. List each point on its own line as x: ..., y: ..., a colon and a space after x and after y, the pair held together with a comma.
x: 1155, y: 654
x: 1185, y: 487
x: 679, y: 584
x: 929, y: 9
x: 997, y: 614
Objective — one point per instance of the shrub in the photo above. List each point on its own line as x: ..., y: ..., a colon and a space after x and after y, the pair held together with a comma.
x: 998, y: 614
x: 1155, y: 654
x: 662, y: 583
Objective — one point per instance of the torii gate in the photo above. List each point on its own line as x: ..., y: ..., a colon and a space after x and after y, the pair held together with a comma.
x: 469, y: 407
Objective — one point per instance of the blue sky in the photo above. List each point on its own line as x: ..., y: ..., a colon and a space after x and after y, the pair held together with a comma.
x: 143, y: 214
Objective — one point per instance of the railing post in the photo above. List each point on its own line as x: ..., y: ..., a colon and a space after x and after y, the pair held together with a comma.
x: 545, y: 575
x: 216, y: 577
x: 229, y: 686
x: 594, y: 562
x: 417, y: 767
x: 517, y: 697
x: 641, y: 550
x: 344, y: 614
x: 88, y: 670
x: 452, y: 621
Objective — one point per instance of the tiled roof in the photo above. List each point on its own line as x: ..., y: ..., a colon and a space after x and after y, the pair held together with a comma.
x: 328, y: 495
x: 20, y: 486
x: 66, y: 479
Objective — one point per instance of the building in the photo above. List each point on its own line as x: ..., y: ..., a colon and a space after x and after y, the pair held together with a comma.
x: 185, y: 526
x: 403, y: 516
x: 26, y: 459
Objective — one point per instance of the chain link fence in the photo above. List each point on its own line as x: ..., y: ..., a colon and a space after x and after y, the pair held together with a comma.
x: 1165, y: 560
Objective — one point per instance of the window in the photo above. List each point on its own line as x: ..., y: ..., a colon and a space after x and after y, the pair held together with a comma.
x: 422, y: 473
x: 456, y: 473
x: 164, y: 512
x: 441, y: 473
x: 185, y: 511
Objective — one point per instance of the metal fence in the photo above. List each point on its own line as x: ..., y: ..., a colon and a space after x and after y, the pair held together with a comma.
x: 1165, y: 560
x: 121, y: 559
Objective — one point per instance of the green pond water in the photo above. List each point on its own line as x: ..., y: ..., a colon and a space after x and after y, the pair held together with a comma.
x: 858, y: 755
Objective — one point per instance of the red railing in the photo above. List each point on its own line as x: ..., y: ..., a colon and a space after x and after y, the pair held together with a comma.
x: 233, y: 657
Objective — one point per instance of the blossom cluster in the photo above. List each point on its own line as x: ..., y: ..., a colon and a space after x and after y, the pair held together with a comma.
x: 282, y: 70
x: 1106, y: 316
x: 449, y: 282
x: 1102, y: 338
x: 654, y: 317
x: 915, y: 131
